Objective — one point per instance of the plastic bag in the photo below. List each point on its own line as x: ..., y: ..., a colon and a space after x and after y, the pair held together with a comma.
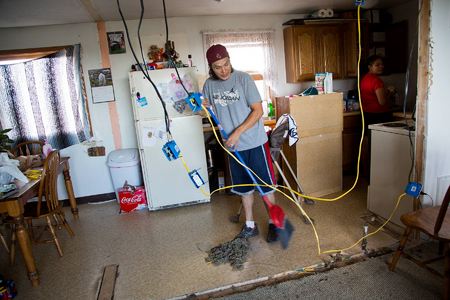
x: 10, y: 166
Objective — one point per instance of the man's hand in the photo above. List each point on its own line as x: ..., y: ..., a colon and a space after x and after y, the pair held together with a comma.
x: 253, y: 117
x: 233, y: 140
x: 205, y: 103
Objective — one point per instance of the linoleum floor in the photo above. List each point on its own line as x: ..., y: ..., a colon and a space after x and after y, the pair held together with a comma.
x: 161, y: 254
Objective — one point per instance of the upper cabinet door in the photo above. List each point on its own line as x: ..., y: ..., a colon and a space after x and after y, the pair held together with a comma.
x: 306, y: 53
x: 299, y: 51
x: 330, y: 49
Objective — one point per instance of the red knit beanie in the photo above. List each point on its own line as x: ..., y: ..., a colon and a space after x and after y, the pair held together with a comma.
x: 216, y: 52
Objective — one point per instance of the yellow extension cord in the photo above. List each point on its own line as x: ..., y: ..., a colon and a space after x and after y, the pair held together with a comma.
x: 310, y: 197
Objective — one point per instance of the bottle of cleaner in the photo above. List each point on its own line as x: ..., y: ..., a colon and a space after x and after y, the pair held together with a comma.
x: 270, y: 109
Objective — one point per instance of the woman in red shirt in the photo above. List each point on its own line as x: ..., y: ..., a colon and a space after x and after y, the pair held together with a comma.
x: 374, y: 96
x: 375, y: 103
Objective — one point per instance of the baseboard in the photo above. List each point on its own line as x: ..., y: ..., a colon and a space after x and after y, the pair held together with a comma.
x: 92, y: 198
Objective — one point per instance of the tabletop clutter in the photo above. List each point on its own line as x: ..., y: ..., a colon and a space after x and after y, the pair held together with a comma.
x: 9, y: 170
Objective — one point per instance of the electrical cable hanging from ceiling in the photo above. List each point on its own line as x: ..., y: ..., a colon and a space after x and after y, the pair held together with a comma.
x: 139, y: 37
x: 145, y: 72
x: 170, y: 50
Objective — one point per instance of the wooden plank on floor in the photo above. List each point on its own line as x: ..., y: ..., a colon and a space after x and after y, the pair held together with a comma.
x: 108, y: 283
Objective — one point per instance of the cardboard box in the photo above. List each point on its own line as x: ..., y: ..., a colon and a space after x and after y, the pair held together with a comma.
x: 317, y: 156
x: 317, y: 114
x: 319, y: 164
x: 132, y: 199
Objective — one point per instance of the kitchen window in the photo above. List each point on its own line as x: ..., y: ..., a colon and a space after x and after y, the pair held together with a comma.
x: 250, y: 51
x: 42, y: 96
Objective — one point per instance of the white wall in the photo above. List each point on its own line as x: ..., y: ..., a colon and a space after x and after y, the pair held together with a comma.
x: 437, y: 141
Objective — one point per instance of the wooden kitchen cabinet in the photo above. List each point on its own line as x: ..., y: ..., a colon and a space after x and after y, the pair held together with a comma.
x: 330, y: 50
x: 300, y: 53
x: 311, y: 49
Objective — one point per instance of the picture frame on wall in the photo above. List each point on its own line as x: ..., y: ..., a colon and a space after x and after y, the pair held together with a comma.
x: 101, y: 85
x: 116, y: 42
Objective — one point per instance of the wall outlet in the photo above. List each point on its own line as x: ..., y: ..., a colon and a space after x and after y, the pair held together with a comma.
x: 413, y: 189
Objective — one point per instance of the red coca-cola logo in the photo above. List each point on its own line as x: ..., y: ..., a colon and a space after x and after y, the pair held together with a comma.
x: 132, y: 200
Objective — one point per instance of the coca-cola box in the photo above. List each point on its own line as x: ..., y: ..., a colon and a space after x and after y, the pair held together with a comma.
x: 132, y: 198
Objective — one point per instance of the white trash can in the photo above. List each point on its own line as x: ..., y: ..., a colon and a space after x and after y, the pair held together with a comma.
x: 124, y: 165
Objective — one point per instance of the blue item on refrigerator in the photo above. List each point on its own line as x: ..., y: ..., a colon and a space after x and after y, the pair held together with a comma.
x: 194, y: 100
x: 171, y: 150
x: 196, y: 178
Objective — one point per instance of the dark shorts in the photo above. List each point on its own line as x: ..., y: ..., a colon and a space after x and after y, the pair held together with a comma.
x: 258, y: 159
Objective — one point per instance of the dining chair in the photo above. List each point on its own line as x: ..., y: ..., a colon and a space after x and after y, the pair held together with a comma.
x: 28, y: 148
x: 46, y: 207
x: 435, y: 222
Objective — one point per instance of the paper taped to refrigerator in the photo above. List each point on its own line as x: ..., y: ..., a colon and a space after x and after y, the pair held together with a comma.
x: 151, y: 135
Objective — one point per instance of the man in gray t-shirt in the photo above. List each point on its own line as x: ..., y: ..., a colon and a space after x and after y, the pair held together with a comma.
x: 237, y: 104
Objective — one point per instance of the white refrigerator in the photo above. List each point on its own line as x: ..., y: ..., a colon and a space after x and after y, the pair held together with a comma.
x: 167, y: 183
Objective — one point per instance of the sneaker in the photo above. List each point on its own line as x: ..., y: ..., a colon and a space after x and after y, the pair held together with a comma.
x: 248, y: 232
x: 272, y: 235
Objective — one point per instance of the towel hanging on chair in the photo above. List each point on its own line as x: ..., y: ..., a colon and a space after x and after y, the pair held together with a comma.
x: 292, y: 127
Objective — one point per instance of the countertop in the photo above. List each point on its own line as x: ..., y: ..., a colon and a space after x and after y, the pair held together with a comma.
x: 267, y: 122
x: 397, y: 114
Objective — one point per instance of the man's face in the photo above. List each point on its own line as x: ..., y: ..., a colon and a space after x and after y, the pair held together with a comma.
x: 222, y: 68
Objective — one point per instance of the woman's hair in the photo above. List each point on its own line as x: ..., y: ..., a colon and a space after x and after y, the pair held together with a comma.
x: 213, y: 75
x: 371, y: 59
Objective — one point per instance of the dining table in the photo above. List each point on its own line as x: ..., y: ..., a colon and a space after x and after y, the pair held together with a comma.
x: 13, y: 203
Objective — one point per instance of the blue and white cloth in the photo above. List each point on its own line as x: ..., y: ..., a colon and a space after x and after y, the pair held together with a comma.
x: 292, y: 128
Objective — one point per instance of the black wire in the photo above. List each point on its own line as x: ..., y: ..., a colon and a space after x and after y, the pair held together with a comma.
x: 431, y: 198
x: 139, y: 35
x: 165, y: 21
x: 146, y: 75
x: 171, y: 52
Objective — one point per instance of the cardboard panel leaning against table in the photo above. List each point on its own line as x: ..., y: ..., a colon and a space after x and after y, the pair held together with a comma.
x: 317, y: 157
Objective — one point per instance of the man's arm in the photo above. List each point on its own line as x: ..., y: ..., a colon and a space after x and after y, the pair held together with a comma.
x: 253, y: 117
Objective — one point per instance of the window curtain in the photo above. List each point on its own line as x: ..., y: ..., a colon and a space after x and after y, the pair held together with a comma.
x: 256, y: 39
x: 43, y: 99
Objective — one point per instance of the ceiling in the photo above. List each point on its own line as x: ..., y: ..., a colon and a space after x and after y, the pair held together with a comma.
x: 21, y: 13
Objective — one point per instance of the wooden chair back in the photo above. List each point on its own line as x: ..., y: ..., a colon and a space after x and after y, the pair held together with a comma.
x: 442, y: 212
x: 48, y: 186
x: 28, y: 148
